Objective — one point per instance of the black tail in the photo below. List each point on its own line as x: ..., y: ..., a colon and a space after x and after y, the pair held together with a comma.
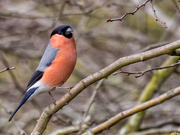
x: 25, y: 98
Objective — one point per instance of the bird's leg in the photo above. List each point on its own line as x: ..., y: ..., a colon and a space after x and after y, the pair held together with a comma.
x: 54, y: 100
x: 69, y: 88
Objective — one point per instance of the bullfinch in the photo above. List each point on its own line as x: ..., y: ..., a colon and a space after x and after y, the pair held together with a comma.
x: 55, y: 67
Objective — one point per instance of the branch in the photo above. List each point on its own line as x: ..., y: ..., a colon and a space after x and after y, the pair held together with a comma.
x: 93, y: 97
x: 70, y: 129
x: 8, y: 68
x: 86, y: 119
x: 104, y: 73
x: 165, y: 131
x: 16, y: 82
x: 158, y: 78
x: 129, y: 13
x: 137, y: 8
x: 26, y: 16
x: 162, y: 124
x: 156, y: 17
x: 141, y: 73
x: 107, y: 124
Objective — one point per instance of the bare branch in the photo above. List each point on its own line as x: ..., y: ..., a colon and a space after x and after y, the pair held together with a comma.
x: 104, y: 73
x: 137, y: 8
x: 160, y: 124
x: 70, y: 129
x: 8, y: 68
x: 164, y: 131
x: 93, y: 97
x: 158, y: 78
x: 141, y: 73
x: 129, y: 13
x: 156, y: 17
x: 26, y: 16
x: 16, y: 82
x: 107, y: 124
x: 85, y: 119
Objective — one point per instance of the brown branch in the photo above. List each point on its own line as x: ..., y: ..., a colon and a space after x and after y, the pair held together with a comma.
x: 93, y: 97
x: 110, y: 122
x: 162, y: 124
x: 152, y: 46
x: 130, y: 13
x: 141, y: 73
x: 156, y: 17
x: 26, y: 16
x: 137, y: 8
x: 159, y: 131
x: 86, y: 119
x: 6, y: 69
x: 70, y: 129
x: 104, y: 73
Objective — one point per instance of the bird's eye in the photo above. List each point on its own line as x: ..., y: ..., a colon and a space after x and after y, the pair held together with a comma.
x: 60, y: 33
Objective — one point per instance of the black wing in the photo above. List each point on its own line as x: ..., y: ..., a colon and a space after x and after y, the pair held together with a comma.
x: 35, y: 77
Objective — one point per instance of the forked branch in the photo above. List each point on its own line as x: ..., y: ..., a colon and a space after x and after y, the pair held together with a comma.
x: 141, y: 73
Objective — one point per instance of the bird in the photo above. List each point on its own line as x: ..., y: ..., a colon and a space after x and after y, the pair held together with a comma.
x: 55, y: 66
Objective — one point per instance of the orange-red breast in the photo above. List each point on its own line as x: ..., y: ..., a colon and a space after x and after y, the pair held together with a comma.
x: 56, y: 64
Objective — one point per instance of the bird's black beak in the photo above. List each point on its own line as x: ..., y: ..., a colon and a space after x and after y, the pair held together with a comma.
x: 69, y: 31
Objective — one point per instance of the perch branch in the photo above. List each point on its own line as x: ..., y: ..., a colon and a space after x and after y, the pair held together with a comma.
x: 141, y: 73
x: 104, y: 73
x: 107, y: 124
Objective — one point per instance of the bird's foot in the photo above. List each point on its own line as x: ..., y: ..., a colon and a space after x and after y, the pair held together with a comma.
x: 69, y: 89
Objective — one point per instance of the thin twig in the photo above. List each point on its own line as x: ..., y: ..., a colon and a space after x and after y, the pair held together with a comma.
x: 90, y: 103
x: 8, y: 68
x: 16, y: 82
x: 137, y: 8
x: 93, y: 97
x: 157, y: 80
x: 69, y: 129
x: 156, y: 17
x: 161, y: 124
x: 152, y: 46
x: 158, y: 100
x: 62, y: 9
x: 141, y: 73
x: 159, y: 131
x: 130, y: 13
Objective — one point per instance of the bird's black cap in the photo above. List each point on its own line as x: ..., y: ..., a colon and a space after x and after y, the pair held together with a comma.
x: 64, y: 30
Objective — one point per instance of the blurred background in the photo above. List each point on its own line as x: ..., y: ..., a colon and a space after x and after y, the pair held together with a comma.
x: 25, y: 27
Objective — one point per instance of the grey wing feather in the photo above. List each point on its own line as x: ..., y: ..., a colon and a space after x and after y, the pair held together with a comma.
x: 47, y: 58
